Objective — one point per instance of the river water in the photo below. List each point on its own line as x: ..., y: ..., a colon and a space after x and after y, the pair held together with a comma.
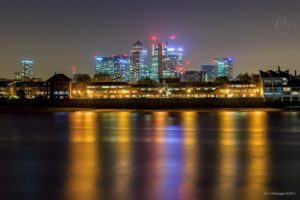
x: 150, y: 155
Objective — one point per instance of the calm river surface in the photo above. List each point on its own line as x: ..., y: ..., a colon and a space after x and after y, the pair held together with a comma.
x: 150, y: 155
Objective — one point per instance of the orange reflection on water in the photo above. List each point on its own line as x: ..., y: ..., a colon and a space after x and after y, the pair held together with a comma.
x: 160, y: 123
x: 191, y: 155
x: 158, y: 169
x: 227, y: 169
x: 124, y: 127
x: 258, y: 146
x: 83, y: 167
x: 123, y: 159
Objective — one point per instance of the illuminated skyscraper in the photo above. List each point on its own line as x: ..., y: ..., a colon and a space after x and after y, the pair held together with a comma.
x: 121, y: 68
x: 158, y: 60
x: 26, y: 73
x: 139, y: 62
x: 166, y: 62
x: 104, y: 65
x: 27, y: 69
x: 208, y: 71
x: 224, y: 67
x: 173, y: 63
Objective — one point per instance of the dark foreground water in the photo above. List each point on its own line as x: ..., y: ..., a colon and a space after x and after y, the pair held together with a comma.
x: 94, y: 155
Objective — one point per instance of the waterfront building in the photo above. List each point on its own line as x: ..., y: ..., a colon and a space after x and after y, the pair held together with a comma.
x: 172, y: 88
x: 31, y: 89
x: 239, y: 89
x: 5, y: 89
x: 59, y: 87
x: 110, y: 90
x: 104, y: 65
x: 119, y: 90
x: 191, y: 90
x: 139, y: 62
x: 280, y: 85
x: 208, y: 72
x: 121, y: 68
x: 223, y: 67
x: 79, y: 85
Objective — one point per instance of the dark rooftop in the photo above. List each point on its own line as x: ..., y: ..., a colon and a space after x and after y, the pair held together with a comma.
x: 59, y: 77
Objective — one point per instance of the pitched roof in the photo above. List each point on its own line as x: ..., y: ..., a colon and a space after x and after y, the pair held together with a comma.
x: 59, y: 77
x: 264, y: 74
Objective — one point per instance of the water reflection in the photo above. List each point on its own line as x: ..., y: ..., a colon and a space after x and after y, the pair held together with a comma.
x: 157, y: 171
x: 257, y: 174
x: 150, y: 155
x: 123, y: 165
x: 191, y: 155
x: 173, y: 152
x: 83, y: 170
x: 228, y: 161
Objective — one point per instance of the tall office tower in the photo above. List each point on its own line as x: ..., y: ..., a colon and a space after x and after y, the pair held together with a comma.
x: 104, y: 65
x: 173, y: 63
x: 121, y: 68
x: 166, y: 62
x: 158, y: 59
x: 208, y: 71
x: 139, y: 62
x: 27, y: 71
x: 224, y: 67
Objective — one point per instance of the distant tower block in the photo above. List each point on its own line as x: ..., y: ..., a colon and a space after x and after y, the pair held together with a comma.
x: 27, y: 72
x: 74, y: 72
x: 224, y: 67
x: 139, y: 62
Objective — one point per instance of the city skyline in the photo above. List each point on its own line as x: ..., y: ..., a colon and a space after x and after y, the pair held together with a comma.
x: 259, y: 35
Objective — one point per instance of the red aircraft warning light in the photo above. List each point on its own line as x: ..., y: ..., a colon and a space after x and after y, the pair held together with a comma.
x: 154, y: 37
x: 74, y: 69
x: 173, y: 37
x: 179, y: 68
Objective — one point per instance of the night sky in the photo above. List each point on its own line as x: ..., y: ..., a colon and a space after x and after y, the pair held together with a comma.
x: 56, y: 34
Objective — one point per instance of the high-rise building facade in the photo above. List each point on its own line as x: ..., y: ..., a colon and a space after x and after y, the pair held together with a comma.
x: 224, y: 67
x: 158, y: 60
x: 26, y: 73
x: 27, y: 68
x: 139, y: 62
x: 166, y: 62
x: 121, y: 68
x: 208, y: 71
x: 104, y: 65
x: 173, y: 63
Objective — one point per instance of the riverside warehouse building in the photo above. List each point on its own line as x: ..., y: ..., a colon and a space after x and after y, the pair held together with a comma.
x: 274, y: 86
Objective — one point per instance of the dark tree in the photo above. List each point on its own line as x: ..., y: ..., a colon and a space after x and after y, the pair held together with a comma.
x: 255, y: 78
x: 221, y: 80
x: 147, y: 81
x: 103, y: 77
x: 84, y: 79
x: 244, y: 77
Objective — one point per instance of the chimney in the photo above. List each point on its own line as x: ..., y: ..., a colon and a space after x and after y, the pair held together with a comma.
x: 278, y: 68
x: 295, y: 72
